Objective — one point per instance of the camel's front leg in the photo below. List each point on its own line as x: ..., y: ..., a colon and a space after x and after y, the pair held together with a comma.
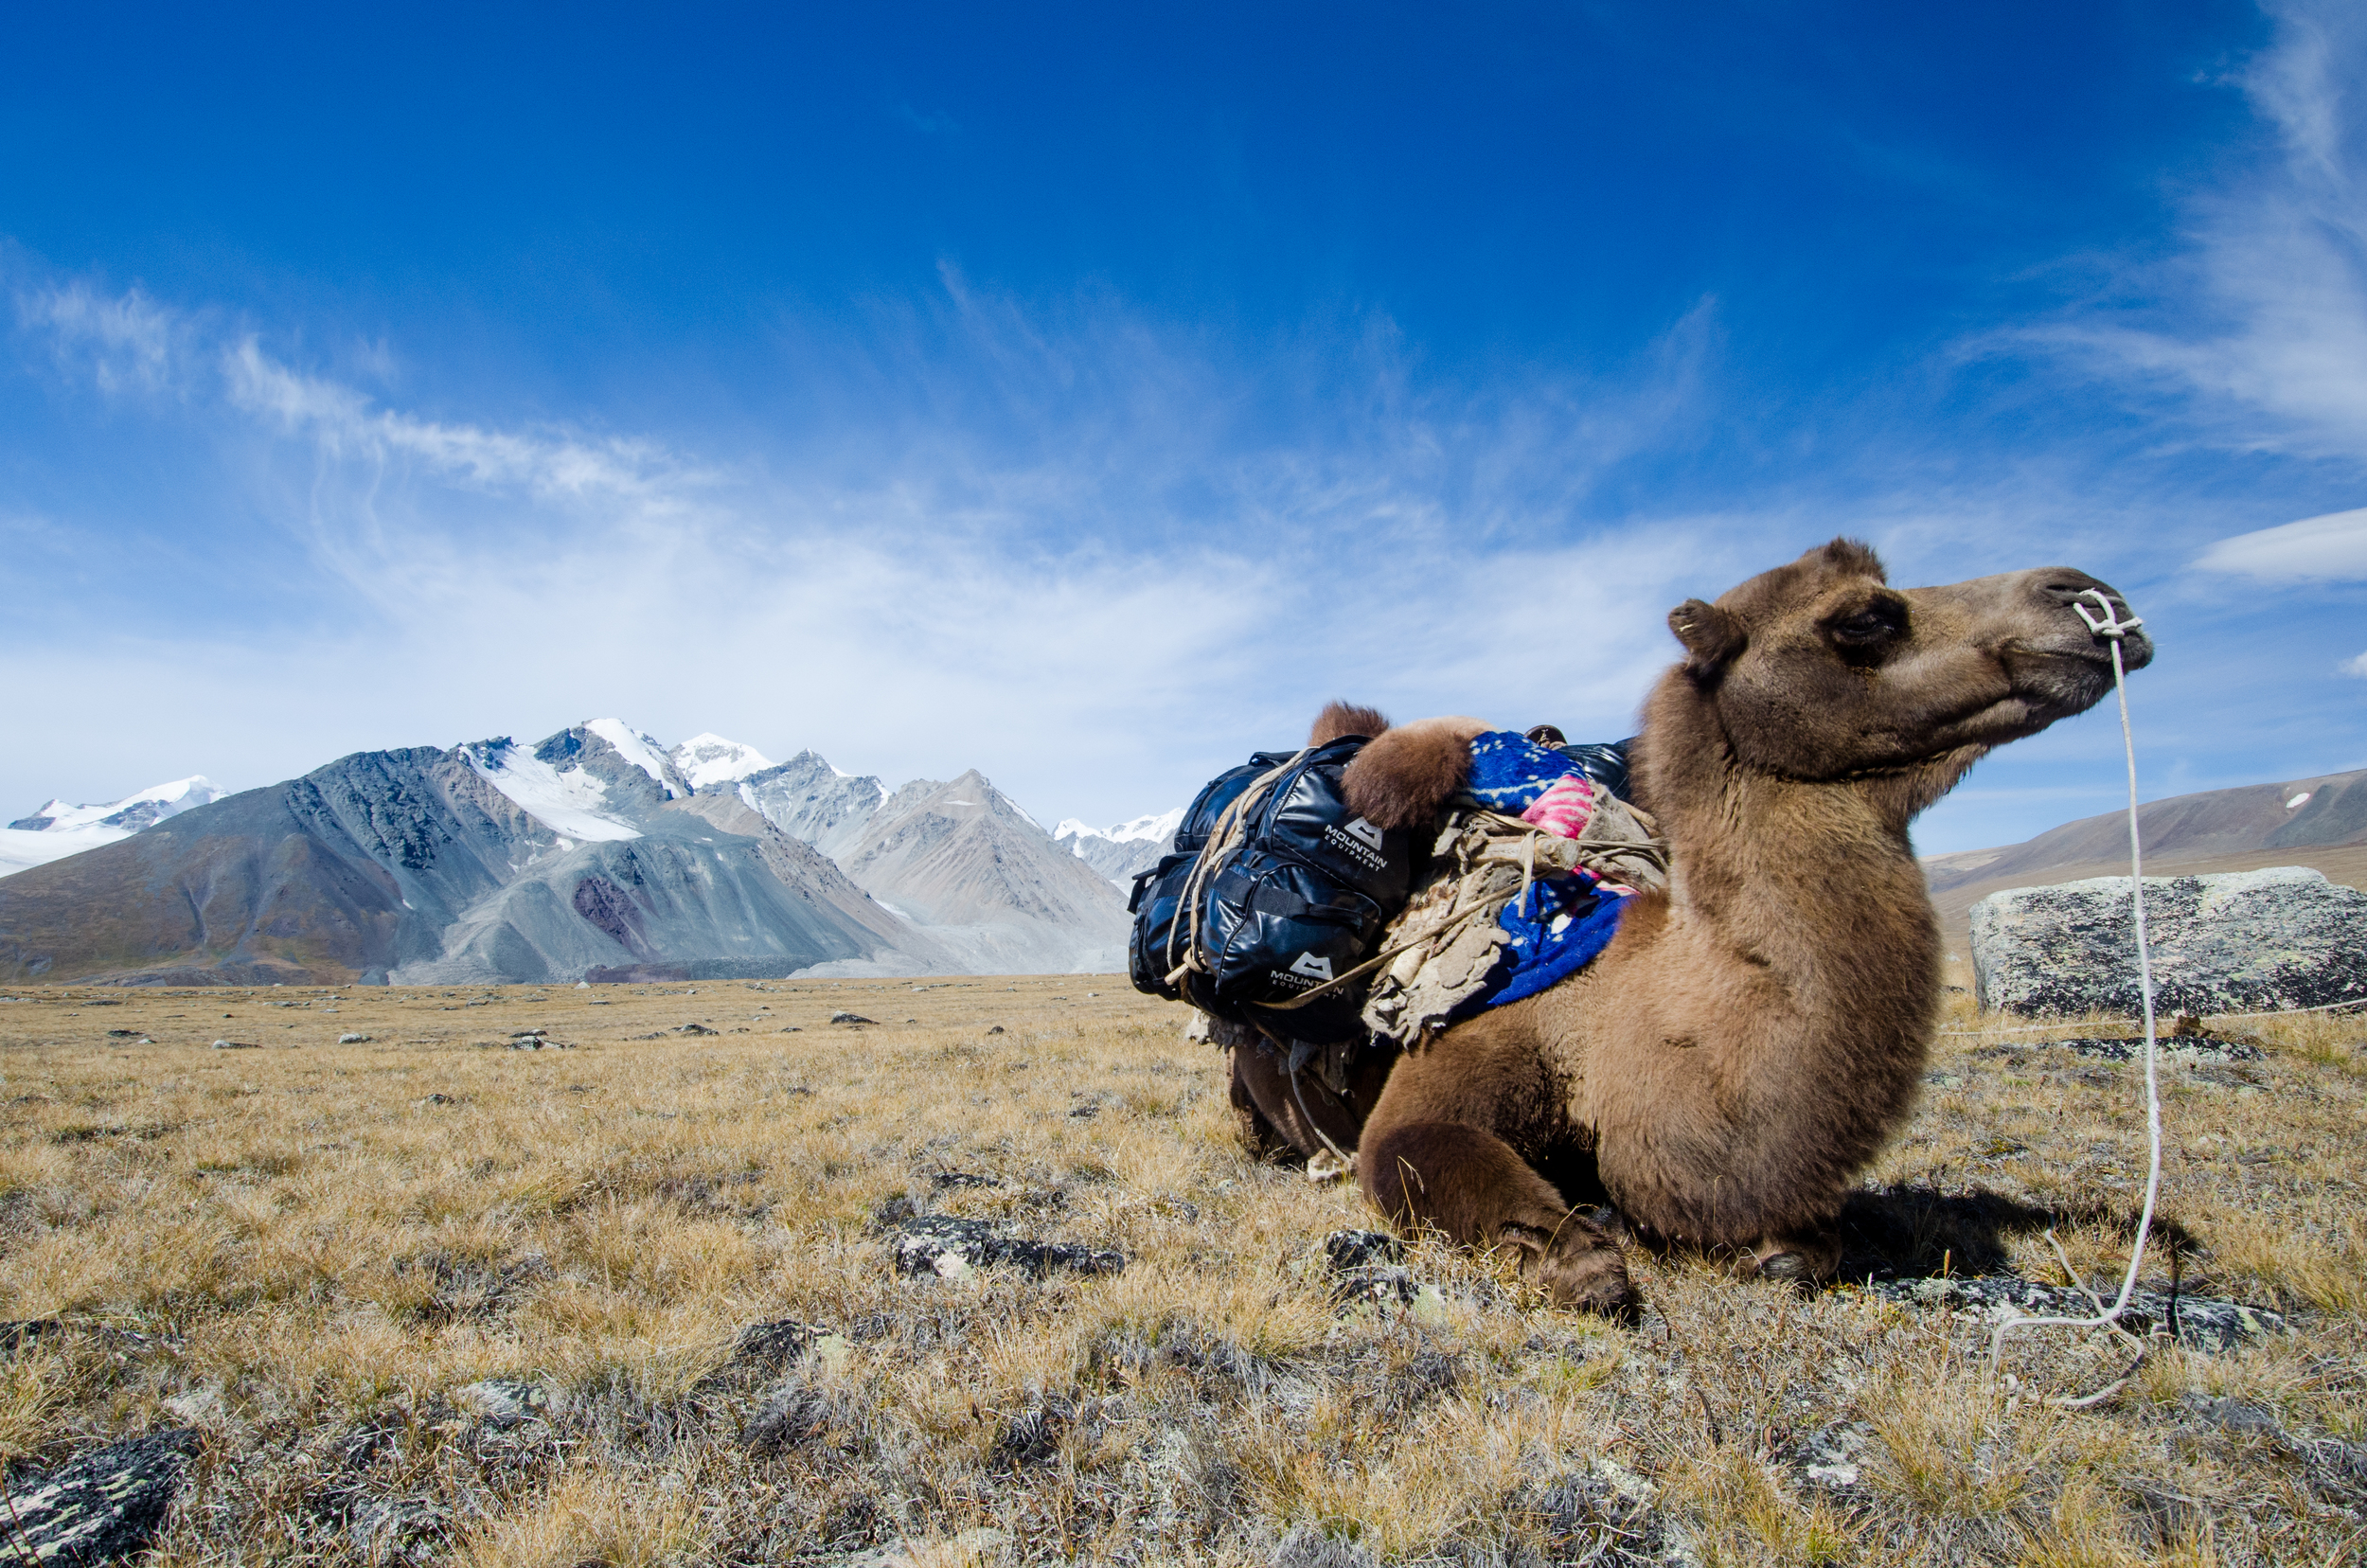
x: 1471, y: 1185
x: 1803, y: 1257
x: 1435, y: 1152
x: 1258, y: 1134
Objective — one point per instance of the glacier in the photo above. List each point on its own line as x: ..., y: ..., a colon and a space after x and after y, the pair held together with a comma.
x: 570, y: 800
x: 642, y: 750
x: 59, y: 829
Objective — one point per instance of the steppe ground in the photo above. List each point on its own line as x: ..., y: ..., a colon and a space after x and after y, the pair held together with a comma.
x: 429, y: 1297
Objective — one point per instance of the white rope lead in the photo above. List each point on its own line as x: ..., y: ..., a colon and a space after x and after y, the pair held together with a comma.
x: 2113, y: 628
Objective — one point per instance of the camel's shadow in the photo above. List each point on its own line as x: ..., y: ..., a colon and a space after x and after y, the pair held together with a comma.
x: 1913, y: 1232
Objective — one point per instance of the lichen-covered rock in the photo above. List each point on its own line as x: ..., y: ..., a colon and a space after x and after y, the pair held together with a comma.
x: 103, y: 1505
x: 2238, y: 942
x: 2199, y: 1323
x: 398, y: 1530
x: 1366, y: 1263
x: 780, y: 1343
x: 1355, y: 1249
x: 504, y: 1401
x: 948, y: 1247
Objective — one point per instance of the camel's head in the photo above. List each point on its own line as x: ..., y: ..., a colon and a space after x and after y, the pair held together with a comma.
x: 1821, y: 669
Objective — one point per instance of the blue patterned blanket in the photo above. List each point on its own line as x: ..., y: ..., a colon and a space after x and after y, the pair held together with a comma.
x: 1563, y: 922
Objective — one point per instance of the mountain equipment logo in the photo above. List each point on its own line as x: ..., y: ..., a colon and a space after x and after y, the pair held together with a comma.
x: 1359, y: 840
x: 1311, y: 966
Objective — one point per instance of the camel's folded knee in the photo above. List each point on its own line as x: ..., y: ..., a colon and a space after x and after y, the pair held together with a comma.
x: 1471, y: 1185
x: 1463, y: 1180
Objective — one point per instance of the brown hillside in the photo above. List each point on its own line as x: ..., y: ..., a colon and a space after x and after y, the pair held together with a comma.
x: 2238, y: 830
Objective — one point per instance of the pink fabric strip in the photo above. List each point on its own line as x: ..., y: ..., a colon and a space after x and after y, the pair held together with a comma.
x: 1565, y: 808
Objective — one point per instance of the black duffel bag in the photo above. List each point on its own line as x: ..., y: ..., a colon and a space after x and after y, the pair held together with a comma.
x: 1275, y: 888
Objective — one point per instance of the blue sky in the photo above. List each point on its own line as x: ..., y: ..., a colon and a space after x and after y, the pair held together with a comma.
x: 1085, y: 395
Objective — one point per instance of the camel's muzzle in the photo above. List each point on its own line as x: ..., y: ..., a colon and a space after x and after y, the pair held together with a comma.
x: 2069, y: 591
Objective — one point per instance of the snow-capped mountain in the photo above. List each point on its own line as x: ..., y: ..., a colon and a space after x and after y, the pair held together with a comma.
x: 705, y: 759
x: 645, y: 752
x: 1121, y: 851
x: 596, y: 853
x: 132, y: 813
x: 569, y: 798
x: 807, y: 798
x: 59, y: 829
x: 597, y: 779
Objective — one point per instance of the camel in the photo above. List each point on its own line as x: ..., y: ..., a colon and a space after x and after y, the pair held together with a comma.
x: 1756, y: 1033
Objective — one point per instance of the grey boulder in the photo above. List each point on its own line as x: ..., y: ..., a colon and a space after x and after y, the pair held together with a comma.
x: 2199, y: 1323
x: 2242, y: 942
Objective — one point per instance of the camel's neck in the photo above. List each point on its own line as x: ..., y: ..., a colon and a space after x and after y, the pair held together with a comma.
x: 1803, y: 911
x: 1743, y: 841
x: 1812, y: 882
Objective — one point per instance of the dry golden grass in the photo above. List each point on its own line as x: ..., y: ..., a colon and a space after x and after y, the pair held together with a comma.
x: 321, y: 1255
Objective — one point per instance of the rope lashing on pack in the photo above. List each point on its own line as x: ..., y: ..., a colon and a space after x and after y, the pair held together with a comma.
x: 1231, y: 828
x: 1294, y: 1055
x: 1584, y: 850
x: 2110, y: 626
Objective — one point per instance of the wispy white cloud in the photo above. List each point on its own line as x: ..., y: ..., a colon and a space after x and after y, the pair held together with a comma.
x: 1130, y: 590
x: 123, y: 342
x: 2356, y: 666
x: 2332, y: 548
x: 343, y: 423
x: 1096, y: 559
x: 2262, y: 320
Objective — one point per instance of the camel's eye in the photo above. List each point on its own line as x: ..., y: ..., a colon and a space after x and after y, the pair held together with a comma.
x: 1876, y: 624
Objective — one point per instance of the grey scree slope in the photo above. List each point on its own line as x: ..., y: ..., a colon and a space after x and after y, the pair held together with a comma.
x: 2239, y: 942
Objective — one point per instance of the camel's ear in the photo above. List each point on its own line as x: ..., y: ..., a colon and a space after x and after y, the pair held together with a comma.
x: 1710, y: 635
x: 1854, y: 555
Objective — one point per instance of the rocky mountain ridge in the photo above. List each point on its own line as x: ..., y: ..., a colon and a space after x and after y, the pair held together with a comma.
x: 2328, y: 810
x: 596, y: 853
x: 807, y: 798
x: 964, y: 861
x: 1117, y: 853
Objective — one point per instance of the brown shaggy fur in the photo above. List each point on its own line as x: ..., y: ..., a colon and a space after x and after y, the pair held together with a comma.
x: 1404, y: 776
x: 1339, y: 720
x: 1755, y: 1034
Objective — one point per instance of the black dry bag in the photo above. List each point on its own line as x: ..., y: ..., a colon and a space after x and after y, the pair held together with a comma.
x: 1295, y: 896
